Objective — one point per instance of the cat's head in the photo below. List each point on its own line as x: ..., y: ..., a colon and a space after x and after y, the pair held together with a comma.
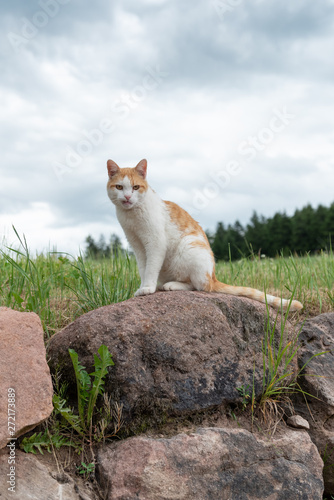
x: 127, y: 186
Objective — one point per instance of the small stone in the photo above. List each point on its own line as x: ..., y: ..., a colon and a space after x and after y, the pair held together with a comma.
x: 298, y: 422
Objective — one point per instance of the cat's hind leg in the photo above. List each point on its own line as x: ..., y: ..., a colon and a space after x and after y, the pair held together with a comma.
x: 177, y: 286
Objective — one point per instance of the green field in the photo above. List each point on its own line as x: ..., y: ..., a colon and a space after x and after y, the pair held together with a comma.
x: 59, y: 288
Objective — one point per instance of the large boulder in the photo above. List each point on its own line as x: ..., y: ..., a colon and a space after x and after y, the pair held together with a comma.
x: 174, y: 353
x: 317, y: 336
x: 212, y: 463
x: 25, y: 380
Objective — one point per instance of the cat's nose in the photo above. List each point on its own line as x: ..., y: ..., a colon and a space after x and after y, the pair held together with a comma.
x: 127, y: 196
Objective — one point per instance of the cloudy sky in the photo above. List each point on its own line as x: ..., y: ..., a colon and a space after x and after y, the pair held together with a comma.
x: 230, y: 101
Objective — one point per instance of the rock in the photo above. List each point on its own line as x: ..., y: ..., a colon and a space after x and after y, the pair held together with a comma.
x: 317, y: 336
x: 23, y: 369
x: 34, y: 480
x: 212, y: 463
x: 175, y: 353
x: 298, y: 422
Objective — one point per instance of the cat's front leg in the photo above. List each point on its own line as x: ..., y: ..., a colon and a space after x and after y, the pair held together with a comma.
x: 141, y: 262
x: 155, y: 256
x: 140, y: 254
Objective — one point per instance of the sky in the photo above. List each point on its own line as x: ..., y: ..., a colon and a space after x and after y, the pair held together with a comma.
x: 230, y: 101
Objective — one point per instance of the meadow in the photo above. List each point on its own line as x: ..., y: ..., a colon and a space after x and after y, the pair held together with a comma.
x: 59, y: 287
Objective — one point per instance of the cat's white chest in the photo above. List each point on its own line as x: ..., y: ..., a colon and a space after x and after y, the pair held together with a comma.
x: 146, y: 220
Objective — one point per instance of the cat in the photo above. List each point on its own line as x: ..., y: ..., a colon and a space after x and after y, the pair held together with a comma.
x: 171, y: 248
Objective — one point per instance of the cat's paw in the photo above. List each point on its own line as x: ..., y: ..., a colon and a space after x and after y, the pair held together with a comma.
x: 145, y: 290
x: 176, y: 286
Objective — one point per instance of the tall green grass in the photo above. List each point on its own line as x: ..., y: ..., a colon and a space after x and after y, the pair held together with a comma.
x: 310, y: 278
x: 59, y: 287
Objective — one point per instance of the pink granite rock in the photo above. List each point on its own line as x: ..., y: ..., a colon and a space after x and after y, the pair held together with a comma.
x: 317, y: 336
x: 27, y: 478
x: 174, y: 353
x: 25, y: 380
x: 212, y: 463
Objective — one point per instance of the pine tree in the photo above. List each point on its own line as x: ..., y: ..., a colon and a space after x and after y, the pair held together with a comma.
x: 235, y: 241
x: 279, y: 232
x: 304, y: 230
x: 329, y: 225
x: 101, y: 249
x: 91, y: 248
x: 257, y: 234
x: 116, y: 245
x: 218, y: 244
x: 320, y: 222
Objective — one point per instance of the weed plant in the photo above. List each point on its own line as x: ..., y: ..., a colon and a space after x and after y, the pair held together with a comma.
x: 90, y: 423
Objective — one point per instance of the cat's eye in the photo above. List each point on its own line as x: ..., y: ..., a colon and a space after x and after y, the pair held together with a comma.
x: 119, y: 187
x: 135, y: 188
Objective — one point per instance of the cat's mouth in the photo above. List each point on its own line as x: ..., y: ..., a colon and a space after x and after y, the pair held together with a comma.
x: 127, y: 203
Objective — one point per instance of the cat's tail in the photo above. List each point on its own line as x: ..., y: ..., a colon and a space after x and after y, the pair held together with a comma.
x: 252, y: 293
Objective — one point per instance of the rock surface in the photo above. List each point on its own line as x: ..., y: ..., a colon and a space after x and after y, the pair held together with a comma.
x: 212, y: 463
x: 24, y: 369
x: 317, y: 336
x: 174, y: 353
x: 34, y: 480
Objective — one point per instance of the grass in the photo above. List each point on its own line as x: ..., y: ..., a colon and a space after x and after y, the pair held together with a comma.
x: 59, y: 287
x: 281, y: 376
x: 310, y: 278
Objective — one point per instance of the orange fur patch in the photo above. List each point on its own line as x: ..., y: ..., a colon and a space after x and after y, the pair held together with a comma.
x: 199, y: 244
x: 186, y: 224
x: 211, y: 282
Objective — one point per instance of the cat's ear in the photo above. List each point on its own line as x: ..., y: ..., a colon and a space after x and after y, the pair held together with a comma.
x: 141, y: 168
x: 113, y: 168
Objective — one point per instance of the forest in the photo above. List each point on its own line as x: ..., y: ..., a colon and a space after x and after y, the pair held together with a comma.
x: 308, y: 230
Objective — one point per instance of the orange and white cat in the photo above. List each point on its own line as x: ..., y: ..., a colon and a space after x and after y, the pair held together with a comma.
x: 171, y: 248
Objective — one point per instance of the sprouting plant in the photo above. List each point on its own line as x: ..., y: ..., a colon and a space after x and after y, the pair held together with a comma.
x: 90, y: 423
x: 245, y: 393
x: 86, y: 469
x: 44, y: 440
x: 89, y: 387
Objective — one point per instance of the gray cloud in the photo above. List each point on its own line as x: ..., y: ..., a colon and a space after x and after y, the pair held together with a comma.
x: 221, y: 80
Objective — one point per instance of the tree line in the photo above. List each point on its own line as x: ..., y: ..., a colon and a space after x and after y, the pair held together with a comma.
x: 307, y: 230
x: 102, y: 249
